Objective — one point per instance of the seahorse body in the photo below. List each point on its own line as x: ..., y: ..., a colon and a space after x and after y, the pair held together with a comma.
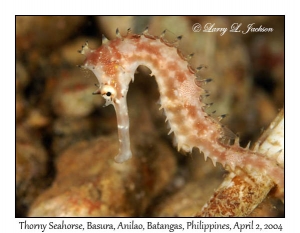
x: 114, y: 64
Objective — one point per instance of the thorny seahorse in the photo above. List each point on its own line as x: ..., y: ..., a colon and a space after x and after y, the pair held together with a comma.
x: 114, y: 64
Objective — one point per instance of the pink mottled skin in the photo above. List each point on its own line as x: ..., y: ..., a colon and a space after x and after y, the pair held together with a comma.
x: 114, y: 64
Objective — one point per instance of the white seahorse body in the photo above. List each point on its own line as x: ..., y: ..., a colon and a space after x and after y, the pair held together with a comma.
x: 114, y: 65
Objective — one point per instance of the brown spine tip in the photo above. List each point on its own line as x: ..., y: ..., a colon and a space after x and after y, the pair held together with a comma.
x: 204, y: 96
x: 163, y: 33
x: 207, y: 80
x: 85, y: 48
x: 208, y: 105
x: 201, y: 82
x: 221, y: 117
x: 190, y: 56
x: 147, y: 35
x: 200, y: 67
x: 179, y: 37
x: 176, y: 42
x: 118, y: 33
x: 145, y: 31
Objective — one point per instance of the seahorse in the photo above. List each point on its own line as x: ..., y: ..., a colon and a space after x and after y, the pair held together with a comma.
x: 114, y: 64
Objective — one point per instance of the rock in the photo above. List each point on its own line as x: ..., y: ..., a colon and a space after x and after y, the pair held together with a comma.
x: 73, y: 96
x: 90, y: 183
x: 38, y: 31
x: 190, y: 189
x: 68, y: 131
x: 31, y: 168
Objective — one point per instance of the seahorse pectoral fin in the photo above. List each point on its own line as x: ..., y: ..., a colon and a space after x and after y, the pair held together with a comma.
x: 120, y: 106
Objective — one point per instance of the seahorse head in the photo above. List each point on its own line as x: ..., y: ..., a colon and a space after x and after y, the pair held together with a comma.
x: 104, y: 62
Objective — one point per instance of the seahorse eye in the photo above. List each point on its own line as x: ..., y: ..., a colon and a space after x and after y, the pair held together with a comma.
x: 108, y: 92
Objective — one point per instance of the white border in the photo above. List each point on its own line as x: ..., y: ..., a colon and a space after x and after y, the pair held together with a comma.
x: 10, y: 8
